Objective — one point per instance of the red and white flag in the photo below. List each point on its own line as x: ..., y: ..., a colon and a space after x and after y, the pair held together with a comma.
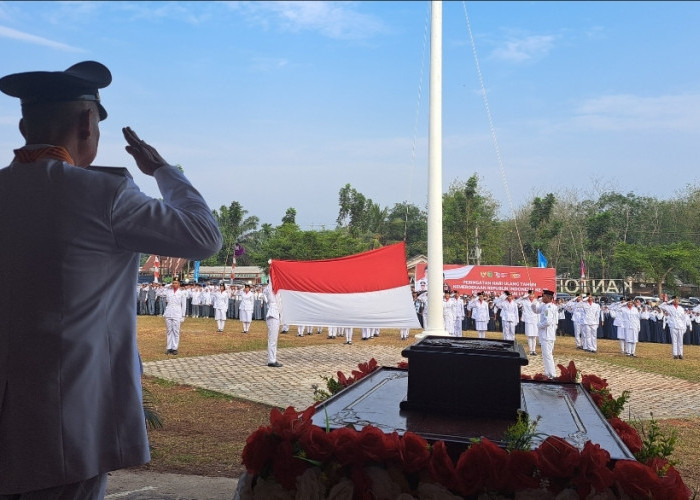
x: 583, y: 269
x: 369, y: 289
x: 156, y: 269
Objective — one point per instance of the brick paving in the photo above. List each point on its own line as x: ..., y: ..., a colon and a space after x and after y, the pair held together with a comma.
x: 246, y: 375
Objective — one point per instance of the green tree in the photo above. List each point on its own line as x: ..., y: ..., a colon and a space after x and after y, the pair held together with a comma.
x: 546, y: 227
x: 662, y: 264
x: 235, y: 228
x: 290, y: 216
x: 361, y: 217
x: 469, y: 214
x: 406, y: 222
x: 288, y: 242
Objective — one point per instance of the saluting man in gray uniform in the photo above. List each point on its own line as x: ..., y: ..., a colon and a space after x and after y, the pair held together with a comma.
x: 71, y: 407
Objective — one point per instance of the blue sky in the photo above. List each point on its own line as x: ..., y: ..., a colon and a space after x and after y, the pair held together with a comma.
x: 280, y: 104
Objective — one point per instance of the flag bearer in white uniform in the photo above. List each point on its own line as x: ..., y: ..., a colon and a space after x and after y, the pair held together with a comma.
x: 246, y: 307
x: 272, y: 318
x: 577, y: 319
x: 530, y: 320
x: 548, y: 319
x: 509, y: 314
x: 220, y: 302
x: 174, y: 314
x: 631, y: 325
x: 448, y: 313
x: 480, y: 314
x: 592, y: 318
x: 676, y: 319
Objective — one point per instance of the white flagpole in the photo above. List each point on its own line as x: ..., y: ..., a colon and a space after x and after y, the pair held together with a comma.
x: 435, y: 324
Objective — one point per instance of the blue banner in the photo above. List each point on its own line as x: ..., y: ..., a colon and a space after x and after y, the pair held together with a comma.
x: 196, y: 271
x: 541, y: 260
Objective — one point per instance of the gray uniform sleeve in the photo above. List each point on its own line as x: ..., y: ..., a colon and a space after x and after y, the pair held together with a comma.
x: 181, y: 225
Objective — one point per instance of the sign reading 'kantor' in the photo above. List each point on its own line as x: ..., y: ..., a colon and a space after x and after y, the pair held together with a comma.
x: 596, y: 287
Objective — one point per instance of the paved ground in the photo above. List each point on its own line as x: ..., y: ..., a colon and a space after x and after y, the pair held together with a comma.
x: 246, y: 375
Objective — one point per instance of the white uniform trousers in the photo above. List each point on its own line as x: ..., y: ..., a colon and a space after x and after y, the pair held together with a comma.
x: 273, y: 328
x: 578, y: 327
x: 631, y: 339
x: 172, y: 328
x: 677, y: 340
x: 531, y: 335
x: 508, y: 330
x: 547, y: 347
x: 590, y: 337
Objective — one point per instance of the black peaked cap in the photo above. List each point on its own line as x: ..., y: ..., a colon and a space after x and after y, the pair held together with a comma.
x: 80, y: 82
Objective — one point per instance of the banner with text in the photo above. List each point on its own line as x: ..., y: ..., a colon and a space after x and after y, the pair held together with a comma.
x: 472, y: 279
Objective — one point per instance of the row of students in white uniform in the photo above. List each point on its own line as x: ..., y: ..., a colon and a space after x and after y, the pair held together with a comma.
x: 629, y: 316
x: 482, y: 311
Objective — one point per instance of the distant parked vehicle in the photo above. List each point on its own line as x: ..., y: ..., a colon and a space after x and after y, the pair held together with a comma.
x: 565, y: 296
x: 648, y: 298
x: 612, y: 297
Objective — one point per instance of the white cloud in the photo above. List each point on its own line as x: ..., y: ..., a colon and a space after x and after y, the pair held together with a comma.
x: 529, y: 48
x: 338, y: 20
x: 263, y: 64
x: 190, y: 13
x: 630, y: 112
x: 21, y: 36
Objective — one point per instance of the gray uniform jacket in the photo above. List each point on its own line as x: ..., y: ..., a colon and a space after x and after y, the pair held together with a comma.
x: 70, y: 377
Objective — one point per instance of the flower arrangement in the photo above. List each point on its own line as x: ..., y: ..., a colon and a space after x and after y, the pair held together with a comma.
x: 292, y: 458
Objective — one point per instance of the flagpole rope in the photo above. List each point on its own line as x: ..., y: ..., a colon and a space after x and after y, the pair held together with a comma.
x: 494, y: 138
x: 416, y: 120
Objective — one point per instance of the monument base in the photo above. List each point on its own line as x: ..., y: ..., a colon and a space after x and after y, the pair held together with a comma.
x: 464, y: 376
x: 565, y: 410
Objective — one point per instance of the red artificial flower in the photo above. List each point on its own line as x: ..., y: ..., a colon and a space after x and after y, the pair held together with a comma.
x: 568, y: 374
x: 365, y: 369
x: 672, y: 487
x: 521, y: 470
x: 345, y: 445
x: 635, y: 479
x: 523, y: 376
x: 362, y: 484
x: 442, y: 467
x: 593, y: 470
x: 403, y: 365
x: 594, y: 383
x: 259, y: 450
x: 627, y: 433
x: 597, y: 398
x: 539, y: 377
x: 290, y: 424
x: 375, y: 446
x: 286, y: 467
x: 317, y: 443
x: 414, y: 452
x: 481, y: 466
x: 557, y: 460
x: 343, y: 380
